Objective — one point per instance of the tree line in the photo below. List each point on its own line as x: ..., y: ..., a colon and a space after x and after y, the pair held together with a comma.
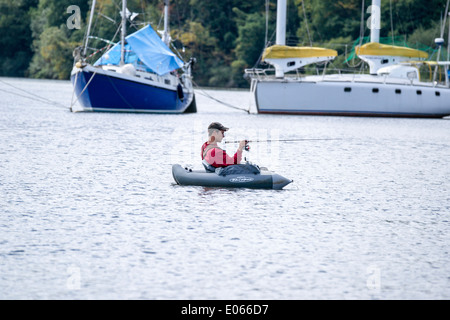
x: 225, y: 36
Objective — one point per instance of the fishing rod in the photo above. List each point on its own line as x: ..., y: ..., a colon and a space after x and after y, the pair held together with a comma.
x: 281, y: 140
x: 247, y: 147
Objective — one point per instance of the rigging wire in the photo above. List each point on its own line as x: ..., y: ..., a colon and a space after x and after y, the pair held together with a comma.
x: 262, y: 52
x: 96, y: 19
x: 361, y: 38
x: 392, y: 21
x: 143, y: 10
x: 362, y: 26
x: 445, y: 20
x: 306, y: 24
x: 267, y: 24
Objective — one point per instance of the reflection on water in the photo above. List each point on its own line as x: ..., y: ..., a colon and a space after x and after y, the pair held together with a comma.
x: 90, y: 209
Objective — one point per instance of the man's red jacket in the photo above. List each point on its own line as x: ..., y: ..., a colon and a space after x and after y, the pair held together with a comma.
x: 218, y: 157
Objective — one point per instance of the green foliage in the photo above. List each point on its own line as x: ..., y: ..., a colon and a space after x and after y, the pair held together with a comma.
x: 226, y: 36
x: 54, y: 55
x: 53, y: 42
x: 15, y: 39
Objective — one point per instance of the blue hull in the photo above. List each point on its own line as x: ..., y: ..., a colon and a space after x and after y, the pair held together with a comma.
x: 114, y: 94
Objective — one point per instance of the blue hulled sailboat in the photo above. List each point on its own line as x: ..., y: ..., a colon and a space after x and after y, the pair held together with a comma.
x: 139, y: 74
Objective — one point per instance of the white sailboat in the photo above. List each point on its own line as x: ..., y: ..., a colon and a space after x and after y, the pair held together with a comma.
x: 393, y: 88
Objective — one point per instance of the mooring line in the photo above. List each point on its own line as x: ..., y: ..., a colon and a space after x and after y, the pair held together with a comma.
x: 34, y: 97
x: 82, y: 91
x: 202, y: 92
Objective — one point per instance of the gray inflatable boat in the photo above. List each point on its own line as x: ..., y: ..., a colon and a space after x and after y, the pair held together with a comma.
x: 263, y: 180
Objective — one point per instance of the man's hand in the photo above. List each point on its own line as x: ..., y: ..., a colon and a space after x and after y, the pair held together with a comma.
x: 242, y: 144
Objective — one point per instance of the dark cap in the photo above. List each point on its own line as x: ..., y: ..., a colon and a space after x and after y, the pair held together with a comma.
x: 218, y: 126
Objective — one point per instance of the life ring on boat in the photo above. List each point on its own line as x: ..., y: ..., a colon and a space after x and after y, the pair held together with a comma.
x: 180, y: 92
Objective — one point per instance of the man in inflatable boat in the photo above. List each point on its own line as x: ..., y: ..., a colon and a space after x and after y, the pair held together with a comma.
x: 215, y: 159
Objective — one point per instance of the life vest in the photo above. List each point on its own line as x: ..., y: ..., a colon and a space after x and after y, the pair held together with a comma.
x: 208, y: 166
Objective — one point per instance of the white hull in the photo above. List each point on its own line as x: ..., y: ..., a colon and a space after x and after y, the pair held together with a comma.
x: 352, y: 95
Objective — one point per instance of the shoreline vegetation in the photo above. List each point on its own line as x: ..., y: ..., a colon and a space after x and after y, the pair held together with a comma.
x: 225, y: 36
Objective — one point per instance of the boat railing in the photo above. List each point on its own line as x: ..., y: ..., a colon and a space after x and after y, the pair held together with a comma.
x: 298, y: 74
x: 341, y: 75
x: 259, y: 73
x: 144, y: 74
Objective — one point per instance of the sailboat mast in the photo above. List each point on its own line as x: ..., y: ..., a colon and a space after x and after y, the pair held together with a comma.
x: 124, y: 32
x: 375, y: 21
x: 166, y: 37
x: 281, y: 23
x: 89, y: 28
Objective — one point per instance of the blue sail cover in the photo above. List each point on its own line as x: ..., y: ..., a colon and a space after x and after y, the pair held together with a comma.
x: 146, y: 46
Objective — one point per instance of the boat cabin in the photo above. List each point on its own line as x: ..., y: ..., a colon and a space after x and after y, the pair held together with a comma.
x: 379, y: 56
x: 400, y: 71
x: 285, y: 58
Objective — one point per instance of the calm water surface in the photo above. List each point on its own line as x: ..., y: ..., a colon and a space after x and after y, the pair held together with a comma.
x: 89, y: 208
